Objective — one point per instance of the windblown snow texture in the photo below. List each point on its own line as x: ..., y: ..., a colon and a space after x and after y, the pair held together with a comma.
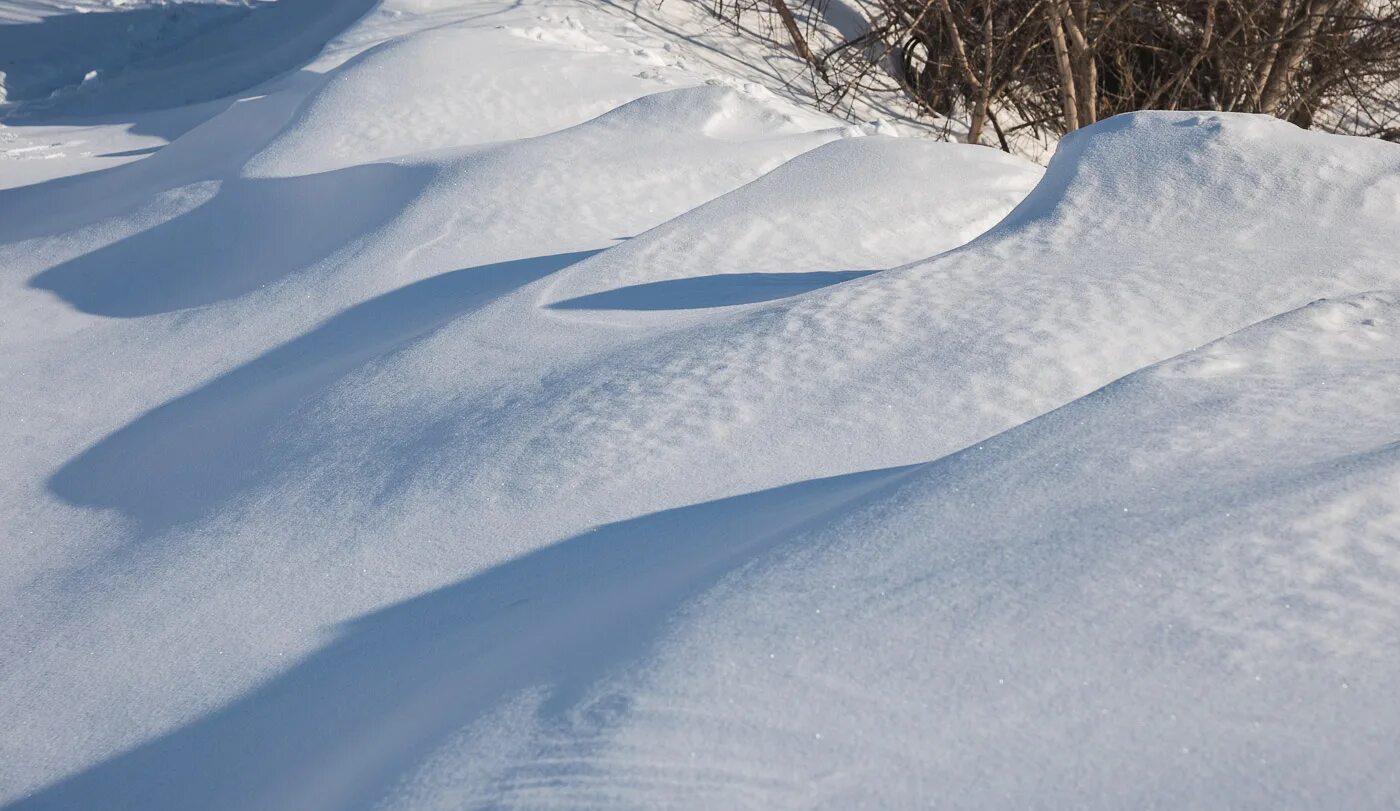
x: 462, y: 404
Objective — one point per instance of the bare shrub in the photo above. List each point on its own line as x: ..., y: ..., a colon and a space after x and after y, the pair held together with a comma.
x: 1052, y: 66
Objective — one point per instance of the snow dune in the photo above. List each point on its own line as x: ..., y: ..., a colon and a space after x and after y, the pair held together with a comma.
x: 499, y: 410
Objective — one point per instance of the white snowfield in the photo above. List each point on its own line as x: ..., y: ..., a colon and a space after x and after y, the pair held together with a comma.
x: 514, y: 407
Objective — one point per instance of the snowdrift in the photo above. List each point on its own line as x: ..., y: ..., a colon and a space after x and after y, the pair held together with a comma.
x: 1167, y: 592
x: 501, y: 412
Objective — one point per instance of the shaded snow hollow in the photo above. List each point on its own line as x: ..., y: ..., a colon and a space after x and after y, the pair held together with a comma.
x: 503, y: 411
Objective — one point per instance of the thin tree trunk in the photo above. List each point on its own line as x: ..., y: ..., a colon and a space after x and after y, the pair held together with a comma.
x: 1069, y: 102
x: 1272, y: 44
x: 1086, y: 79
x: 981, y: 107
x: 1292, y: 56
x: 1001, y: 136
x: 979, y: 111
x: 799, y: 42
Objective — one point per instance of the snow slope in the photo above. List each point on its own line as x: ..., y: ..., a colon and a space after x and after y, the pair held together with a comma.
x: 501, y: 409
x: 1202, y: 614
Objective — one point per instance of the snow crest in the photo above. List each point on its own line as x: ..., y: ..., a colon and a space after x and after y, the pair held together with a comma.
x: 505, y: 409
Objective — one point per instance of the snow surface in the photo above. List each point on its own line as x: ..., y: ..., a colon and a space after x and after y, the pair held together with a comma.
x: 498, y: 405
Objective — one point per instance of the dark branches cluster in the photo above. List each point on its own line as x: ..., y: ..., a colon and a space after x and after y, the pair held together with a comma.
x: 1052, y: 66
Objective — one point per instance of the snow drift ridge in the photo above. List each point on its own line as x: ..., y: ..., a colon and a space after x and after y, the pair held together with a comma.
x: 561, y: 430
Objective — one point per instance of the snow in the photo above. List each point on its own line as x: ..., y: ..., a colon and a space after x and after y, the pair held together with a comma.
x: 455, y: 403
x: 155, y: 56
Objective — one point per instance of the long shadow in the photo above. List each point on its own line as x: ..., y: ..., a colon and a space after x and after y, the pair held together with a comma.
x: 178, y: 461
x: 702, y: 292
x: 54, y: 53
x: 252, y: 232
x: 160, y: 57
x: 213, y: 142
x: 340, y: 727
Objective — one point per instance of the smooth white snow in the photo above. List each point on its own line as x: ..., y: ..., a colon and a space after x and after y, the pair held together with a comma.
x: 506, y: 408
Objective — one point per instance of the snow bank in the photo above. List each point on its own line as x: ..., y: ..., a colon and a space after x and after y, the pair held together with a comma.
x: 470, y: 85
x: 730, y: 256
x: 500, y: 411
x: 1170, y: 592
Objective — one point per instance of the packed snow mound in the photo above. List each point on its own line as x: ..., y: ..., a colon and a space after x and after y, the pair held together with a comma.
x: 470, y: 85
x: 721, y: 254
x: 502, y: 411
x: 1209, y: 172
x: 1022, y: 320
x: 164, y: 467
x: 1092, y: 605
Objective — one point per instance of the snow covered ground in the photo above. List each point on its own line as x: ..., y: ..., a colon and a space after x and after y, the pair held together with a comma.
x: 472, y: 404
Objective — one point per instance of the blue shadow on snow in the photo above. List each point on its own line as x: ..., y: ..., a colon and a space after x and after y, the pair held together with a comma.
x: 341, y: 727
x: 178, y: 461
x: 703, y: 292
